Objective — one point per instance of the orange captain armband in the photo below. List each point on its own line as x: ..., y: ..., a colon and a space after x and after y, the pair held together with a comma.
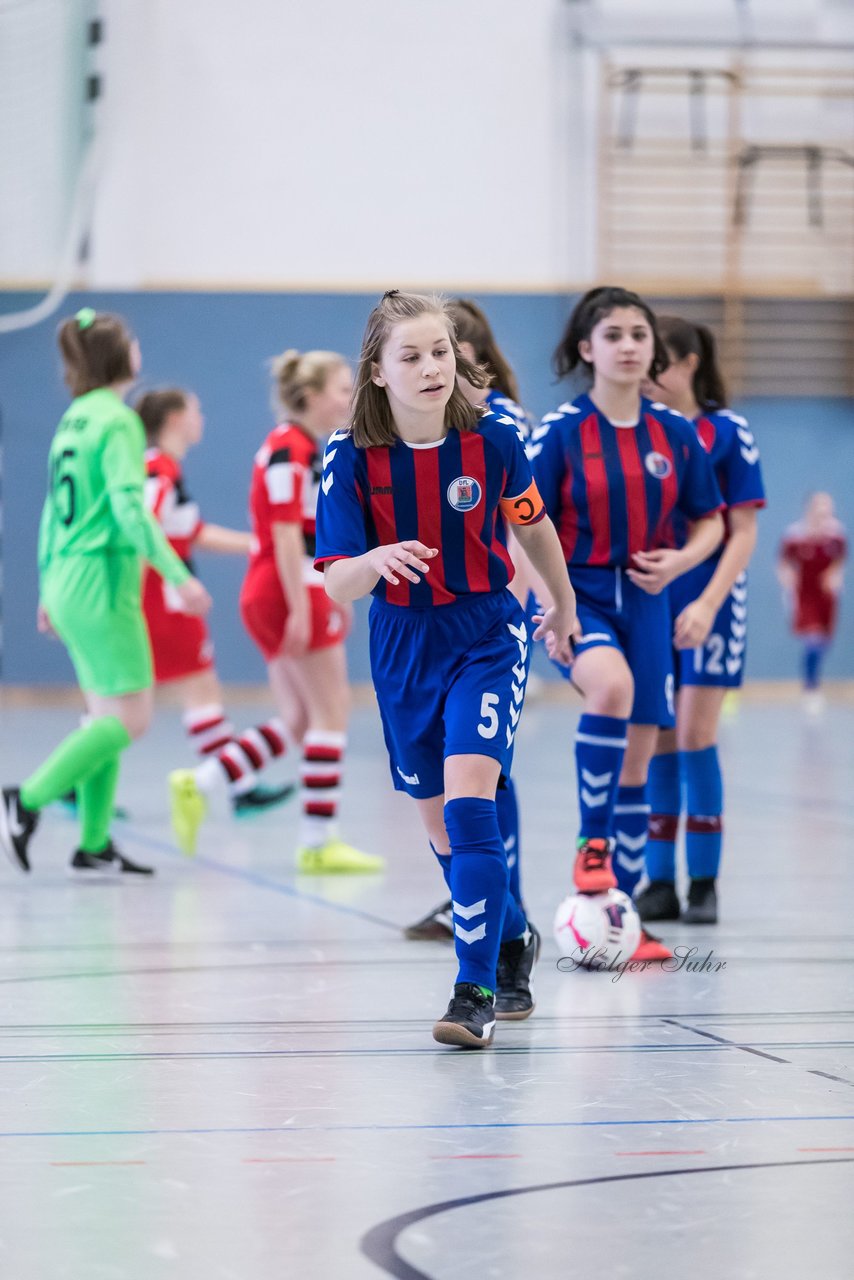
x: 526, y: 509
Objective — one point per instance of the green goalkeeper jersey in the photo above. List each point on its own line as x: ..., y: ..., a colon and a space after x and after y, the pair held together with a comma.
x: 95, y: 502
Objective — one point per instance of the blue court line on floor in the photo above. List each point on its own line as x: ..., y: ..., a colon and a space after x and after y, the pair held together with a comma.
x: 250, y: 877
x: 408, y: 1128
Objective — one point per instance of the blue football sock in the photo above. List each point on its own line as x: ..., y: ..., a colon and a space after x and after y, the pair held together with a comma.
x: 704, y: 807
x: 664, y: 791
x: 479, y: 882
x: 631, y: 821
x: 812, y: 659
x: 444, y: 861
x: 508, y: 824
x: 600, y: 744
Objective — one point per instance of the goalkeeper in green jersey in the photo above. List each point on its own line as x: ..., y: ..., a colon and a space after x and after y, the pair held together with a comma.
x: 95, y: 535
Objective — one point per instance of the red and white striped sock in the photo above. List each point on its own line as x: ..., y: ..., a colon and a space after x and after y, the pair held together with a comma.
x: 251, y: 751
x: 320, y: 789
x: 208, y: 729
x: 234, y: 758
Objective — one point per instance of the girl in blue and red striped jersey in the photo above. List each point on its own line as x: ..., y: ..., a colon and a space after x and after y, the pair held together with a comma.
x: 709, y: 611
x: 477, y: 344
x: 412, y: 509
x: 612, y: 467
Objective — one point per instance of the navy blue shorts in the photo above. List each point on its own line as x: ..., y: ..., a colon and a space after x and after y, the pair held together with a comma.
x: 720, y: 661
x: 613, y: 611
x: 449, y: 681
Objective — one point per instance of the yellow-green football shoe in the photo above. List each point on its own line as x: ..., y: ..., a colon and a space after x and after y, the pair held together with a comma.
x: 188, y: 808
x: 335, y: 858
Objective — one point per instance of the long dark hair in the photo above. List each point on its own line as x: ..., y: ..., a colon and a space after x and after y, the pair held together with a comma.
x: 371, y: 420
x: 473, y: 327
x: 586, y: 314
x: 687, y: 338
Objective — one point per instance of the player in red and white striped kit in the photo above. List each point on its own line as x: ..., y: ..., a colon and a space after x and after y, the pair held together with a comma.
x: 285, y: 608
x: 286, y: 611
x: 810, y: 566
x: 181, y: 645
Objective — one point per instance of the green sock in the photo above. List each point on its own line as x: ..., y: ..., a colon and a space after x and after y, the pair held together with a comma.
x: 78, y: 755
x: 95, y: 795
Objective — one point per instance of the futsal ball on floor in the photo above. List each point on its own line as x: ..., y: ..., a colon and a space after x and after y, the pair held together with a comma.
x: 603, y: 925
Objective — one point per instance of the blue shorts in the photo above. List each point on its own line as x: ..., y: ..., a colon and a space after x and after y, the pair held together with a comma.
x: 613, y: 611
x: 720, y: 661
x: 449, y: 681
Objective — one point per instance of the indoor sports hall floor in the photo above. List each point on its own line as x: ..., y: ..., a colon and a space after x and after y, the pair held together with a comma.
x: 228, y: 1073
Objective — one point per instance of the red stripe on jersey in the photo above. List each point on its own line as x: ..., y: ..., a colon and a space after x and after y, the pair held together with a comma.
x: 670, y: 483
x: 568, y: 519
x: 633, y: 474
x: 428, y: 504
x: 382, y: 511
x: 706, y: 433
x: 596, y: 484
x: 476, y: 550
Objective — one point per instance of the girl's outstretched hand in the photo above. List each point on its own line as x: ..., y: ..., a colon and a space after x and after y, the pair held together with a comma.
x: 406, y: 559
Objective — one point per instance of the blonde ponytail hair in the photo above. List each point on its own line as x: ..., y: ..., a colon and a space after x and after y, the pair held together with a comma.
x: 295, y: 373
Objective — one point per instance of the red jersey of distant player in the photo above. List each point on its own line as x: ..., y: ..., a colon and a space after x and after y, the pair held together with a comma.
x: 285, y: 482
x: 180, y: 644
x: 810, y: 552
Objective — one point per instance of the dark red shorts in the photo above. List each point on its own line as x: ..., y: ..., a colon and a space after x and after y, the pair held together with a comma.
x: 815, y: 614
x: 180, y: 643
x: 264, y: 611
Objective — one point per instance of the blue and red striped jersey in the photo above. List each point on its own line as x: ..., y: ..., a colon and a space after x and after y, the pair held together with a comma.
x: 501, y: 405
x: 612, y: 490
x: 446, y: 495
x: 734, y: 455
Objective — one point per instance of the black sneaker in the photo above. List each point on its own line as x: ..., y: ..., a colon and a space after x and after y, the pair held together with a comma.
x: 658, y: 901
x: 702, y: 905
x: 70, y: 803
x: 437, y: 925
x: 109, y: 863
x: 17, y: 824
x: 261, y: 798
x: 470, y: 1019
x: 516, y: 960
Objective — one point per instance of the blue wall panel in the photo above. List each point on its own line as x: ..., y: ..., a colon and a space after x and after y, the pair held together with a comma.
x: 219, y: 345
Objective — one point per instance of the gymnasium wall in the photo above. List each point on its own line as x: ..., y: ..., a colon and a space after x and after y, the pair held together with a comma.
x: 219, y: 344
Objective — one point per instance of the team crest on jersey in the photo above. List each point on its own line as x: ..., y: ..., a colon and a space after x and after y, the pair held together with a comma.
x: 464, y: 493
x: 657, y: 465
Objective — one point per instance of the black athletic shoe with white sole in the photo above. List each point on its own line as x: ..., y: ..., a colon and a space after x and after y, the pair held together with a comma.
x: 513, y: 998
x: 17, y: 825
x: 110, y: 864
x: 470, y: 1019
